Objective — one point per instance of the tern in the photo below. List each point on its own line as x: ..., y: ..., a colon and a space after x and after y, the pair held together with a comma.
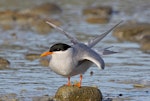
x: 70, y: 60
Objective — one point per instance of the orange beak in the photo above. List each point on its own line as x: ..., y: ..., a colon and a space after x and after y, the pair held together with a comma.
x: 46, y: 53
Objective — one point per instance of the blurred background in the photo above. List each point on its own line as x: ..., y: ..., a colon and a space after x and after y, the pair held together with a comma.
x: 24, y: 35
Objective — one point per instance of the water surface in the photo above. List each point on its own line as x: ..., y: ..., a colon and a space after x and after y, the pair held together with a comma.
x: 123, y: 70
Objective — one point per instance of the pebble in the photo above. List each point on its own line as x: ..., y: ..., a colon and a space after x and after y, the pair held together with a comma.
x: 4, y: 63
x: 32, y: 56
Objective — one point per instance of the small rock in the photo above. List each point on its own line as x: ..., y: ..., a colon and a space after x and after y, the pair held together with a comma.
x: 98, y: 11
x: 136, y: 32
x: 32, y: 56
x: 145, y: 42
x: 27, y: 20
x: 120, y: 94
x: 138, y: 85
x: 98, y: 14
x: 9, y: 97
x: 73, y: 93
x: 130, y: 31
x: 43, y: 9
x: 91, y: 73
x: 97, y: 20
x: 4, y: 63
x: 43, y: 98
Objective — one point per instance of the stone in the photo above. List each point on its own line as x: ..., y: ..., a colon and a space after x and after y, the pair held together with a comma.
x: 145, y: 43
x: 31, y: 19
x: 4, y: 63
x: 98, y: 14
x: 97, y: 20
x: 74, y: 93
x: 32, y: 56
x: 130, y: 31
x: 9, y: 97
x: 43, y: 9
x: 135, y: 32
x: 43, y: 98
x: 98, y: 11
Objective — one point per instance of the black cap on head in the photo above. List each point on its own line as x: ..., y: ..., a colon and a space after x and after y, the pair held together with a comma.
x: 59, y: 47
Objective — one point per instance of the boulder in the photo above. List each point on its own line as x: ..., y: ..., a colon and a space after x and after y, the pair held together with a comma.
x: 74, y: 93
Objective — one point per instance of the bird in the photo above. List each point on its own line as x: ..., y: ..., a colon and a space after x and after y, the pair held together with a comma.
x: 70, y: 60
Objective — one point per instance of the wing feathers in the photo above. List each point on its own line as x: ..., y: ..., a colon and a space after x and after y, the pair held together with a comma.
x: 72, y: 39
x: 93, y: 42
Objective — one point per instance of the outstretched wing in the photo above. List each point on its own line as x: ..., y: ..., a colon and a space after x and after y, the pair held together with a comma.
x: 96, y: 59
x: 86, y: 53
x: 72, y: 39
x: 93, y: 42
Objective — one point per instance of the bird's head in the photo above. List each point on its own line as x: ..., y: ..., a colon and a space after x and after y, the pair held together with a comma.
x: 55, y: 48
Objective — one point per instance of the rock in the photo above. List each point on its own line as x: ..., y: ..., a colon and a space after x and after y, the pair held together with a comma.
x: 43, y: 98
x: 43, y: 9
x: 32, y: 19
x: 135, y: 32
x: 97, y: 20
x: 98, y: 11
x: 138, y: 85
x: 25, y: 21
x: 7, y: 46
x: 10, y: 17
x: 144, y: 38
x: 32, y: 56
x: 4, y: 63
x: 98, y: 14
x: 73, y: 93
x: 130, y: 31
x: 9, y: 97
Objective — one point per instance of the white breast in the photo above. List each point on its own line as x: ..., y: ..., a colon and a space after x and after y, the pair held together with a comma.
x: 61, y: 62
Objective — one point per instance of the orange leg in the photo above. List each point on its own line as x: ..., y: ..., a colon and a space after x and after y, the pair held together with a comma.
x: 80, y: 82
x: 69, y: 83
x: 80, y: 79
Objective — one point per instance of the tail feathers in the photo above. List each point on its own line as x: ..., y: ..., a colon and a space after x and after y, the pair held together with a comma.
x: 106, y: 51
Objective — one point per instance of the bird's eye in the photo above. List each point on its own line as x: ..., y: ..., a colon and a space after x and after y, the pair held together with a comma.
x: 57, y: 49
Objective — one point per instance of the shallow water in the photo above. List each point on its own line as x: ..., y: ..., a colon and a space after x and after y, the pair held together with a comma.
x: 123, y: 70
